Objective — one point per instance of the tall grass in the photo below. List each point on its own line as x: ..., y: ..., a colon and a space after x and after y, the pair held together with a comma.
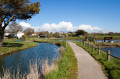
x: 34, y: 72
x: 67, y: 66
x: 61, y: 49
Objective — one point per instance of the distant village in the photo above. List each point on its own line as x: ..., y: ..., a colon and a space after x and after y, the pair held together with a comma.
x: 16, y: 31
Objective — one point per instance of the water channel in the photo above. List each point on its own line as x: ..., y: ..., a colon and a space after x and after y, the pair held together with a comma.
x: 115, y: 51
x: 108, y: 41
x: 22, y: 58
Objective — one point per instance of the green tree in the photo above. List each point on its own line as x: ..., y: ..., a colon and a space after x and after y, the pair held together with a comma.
x: 10, y: 10
x: 29, y: 31
x: 51, y: 34
x: 56, y: 35
x: 80, y: 32
x: 15, y: 28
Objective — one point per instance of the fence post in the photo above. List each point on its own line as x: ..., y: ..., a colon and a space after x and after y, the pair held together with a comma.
x: 108, y: 55
x: 88, y: 45
x: 84, y: 43
x: 81, y: 42
x: 93, y: 48
x: 66, y: 43
x: 98, y: 50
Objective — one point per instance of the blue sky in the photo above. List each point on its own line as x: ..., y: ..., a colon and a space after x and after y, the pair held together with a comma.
x: 104, y: 14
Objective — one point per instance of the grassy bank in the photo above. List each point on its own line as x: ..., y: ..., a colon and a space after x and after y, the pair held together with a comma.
x: 111, y: 67
x: 75, y: 38
x: 101, y: 37
x: 67, y: 66
x: 59, y: 43
x: 10, y: 46
x: 64, y: 68
x: 104, y: 44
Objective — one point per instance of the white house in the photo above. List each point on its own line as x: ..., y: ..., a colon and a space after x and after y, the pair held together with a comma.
x: 20, y: 34
x: 34, y: 34
x: 6, y: 34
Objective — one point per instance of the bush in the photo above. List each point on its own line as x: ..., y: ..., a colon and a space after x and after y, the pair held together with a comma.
x: 11, y: 36
x: 80, y: 32
x: 115, y: 74
x: 58, y: 44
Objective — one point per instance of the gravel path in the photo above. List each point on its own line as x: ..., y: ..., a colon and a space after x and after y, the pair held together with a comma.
x: 88, y: 68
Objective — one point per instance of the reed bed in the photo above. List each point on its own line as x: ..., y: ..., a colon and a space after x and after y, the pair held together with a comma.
x: 34, y: 71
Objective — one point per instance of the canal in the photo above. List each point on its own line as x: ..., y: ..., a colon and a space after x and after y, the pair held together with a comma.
x: 22, y: 58
x: 115, y: 51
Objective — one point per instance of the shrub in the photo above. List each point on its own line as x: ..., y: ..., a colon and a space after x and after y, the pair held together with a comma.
x: 59, y: 44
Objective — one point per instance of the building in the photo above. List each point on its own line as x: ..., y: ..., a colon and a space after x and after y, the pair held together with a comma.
x: 6, y: 34
x: 43, y: 36
x: 20, y: 34
x: 34, y: 34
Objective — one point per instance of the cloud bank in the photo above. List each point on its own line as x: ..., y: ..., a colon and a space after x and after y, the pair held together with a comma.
x: 61, y: 27
x: 25, y: 25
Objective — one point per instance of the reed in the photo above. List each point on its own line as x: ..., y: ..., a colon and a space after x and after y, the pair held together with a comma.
x: 33, y: 72
x: 61, y: 49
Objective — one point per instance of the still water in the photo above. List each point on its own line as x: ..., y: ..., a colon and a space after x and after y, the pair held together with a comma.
x: 22, y: 58
x: 115, y: 51
x: 66, y: 40
x: 107, y: 40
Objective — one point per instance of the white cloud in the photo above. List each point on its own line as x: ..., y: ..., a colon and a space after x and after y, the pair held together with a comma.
x: 61, y: 27
x: 89, y: 28
x: 25, y: 25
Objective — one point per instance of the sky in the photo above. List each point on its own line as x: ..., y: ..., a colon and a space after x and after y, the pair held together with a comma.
x: 70, y: 15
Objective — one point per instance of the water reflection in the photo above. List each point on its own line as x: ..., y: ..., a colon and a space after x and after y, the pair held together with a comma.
x: 42, y: 51
x: 115, y: 51
x: 66, y: 40
x: 108, y: 41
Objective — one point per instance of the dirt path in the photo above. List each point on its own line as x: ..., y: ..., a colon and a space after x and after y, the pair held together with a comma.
x: 88, y: 68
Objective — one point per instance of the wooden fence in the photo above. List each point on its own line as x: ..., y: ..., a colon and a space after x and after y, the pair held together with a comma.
x: 109, y: 55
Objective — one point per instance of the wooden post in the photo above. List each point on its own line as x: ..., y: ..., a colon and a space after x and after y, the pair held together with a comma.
x: 98, y: 50
x: 95, y: 41
x: 84, y: 43
x: 93, y: 48
x: 108, y: 55
x: 88, y: 45
x: 81, y: 42
x: 66, y: 43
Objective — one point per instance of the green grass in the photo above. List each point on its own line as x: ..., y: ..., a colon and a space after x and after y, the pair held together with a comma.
x: 111, y: 67
x: 57, y: 42
x: 99, y: 37
x: 10, y: 45
x: 74, y: 38
x: 102, y: 36
x: 67, y: 66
